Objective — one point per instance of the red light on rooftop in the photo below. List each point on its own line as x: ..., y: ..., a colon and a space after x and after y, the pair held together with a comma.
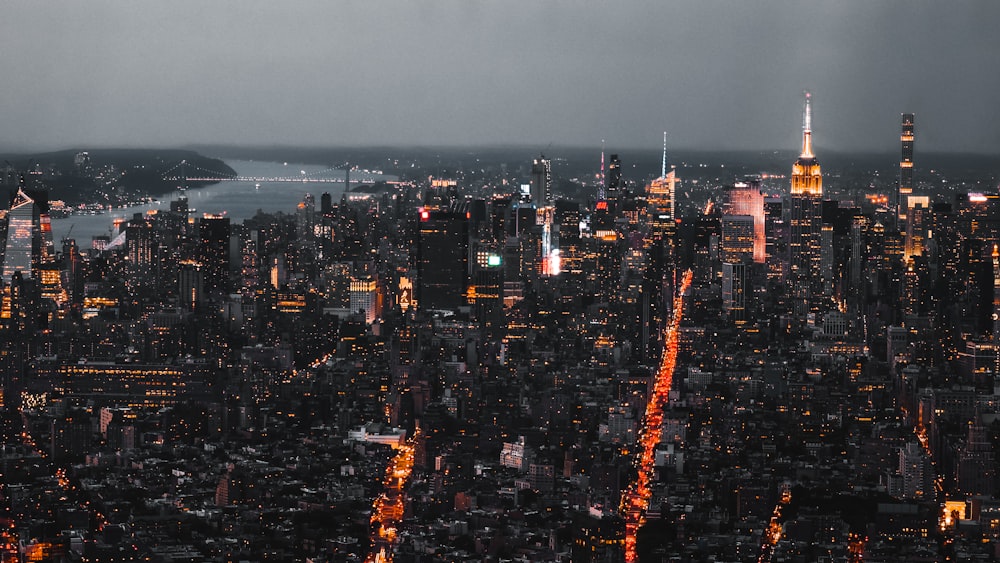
x: 424, y: 215
x: 602, y: 205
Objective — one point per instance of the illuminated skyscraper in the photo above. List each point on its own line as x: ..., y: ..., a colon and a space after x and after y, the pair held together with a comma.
x: 737, y: 253
x: 734, y: 291
x: 613, y: 182
x: 806, y: 176
x: 541, y: 181
x: 305, y: 218
x: 737, y: 239
x: 805, y: 223
x: 660, y: 249
x: 23, y: 244
x: 570, y: 243
x: 996, y: 292
x: 141, y: 244
x: 905, y: 165
x: 364, y: 297
x: 485, y: 291
x: 541, y: 198
x: 745, y: 198
x: 916, y: 214
x: 29, y: 236
x: 607, y: 266
x: 660, y: 200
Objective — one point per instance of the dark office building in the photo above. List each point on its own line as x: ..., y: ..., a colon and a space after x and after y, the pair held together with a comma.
x: 442, y: 254
x: 213, y: 250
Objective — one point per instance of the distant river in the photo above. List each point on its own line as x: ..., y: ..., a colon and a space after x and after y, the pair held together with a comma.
x: 238, y: 200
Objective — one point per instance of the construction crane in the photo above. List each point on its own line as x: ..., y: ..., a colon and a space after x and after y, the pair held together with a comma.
x: 66, y: 236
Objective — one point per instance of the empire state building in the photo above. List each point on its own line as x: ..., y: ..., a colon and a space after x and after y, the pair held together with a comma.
x: 806, y: 224
x: 806, y: 177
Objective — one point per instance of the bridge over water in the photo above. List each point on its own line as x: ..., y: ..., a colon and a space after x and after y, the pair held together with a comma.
x: 259, y: 179
x: 184, y: 171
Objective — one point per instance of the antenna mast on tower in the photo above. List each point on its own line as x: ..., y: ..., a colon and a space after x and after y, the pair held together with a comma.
x: 663, y: 165
x: 807, y: 117
x: 601, y: 195
x: 807, y: 150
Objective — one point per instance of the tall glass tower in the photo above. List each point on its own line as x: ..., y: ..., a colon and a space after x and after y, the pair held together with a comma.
x: 22, y: 250
x: 905, y: 165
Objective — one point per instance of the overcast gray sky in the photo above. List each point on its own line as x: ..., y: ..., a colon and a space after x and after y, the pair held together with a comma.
x: 714, y: 74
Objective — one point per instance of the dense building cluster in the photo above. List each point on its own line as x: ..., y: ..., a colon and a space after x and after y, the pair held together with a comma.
x: 456, y: 367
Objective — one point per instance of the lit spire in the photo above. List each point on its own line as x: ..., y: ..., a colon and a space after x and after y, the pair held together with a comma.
x: 663, y: 165
x: 602, y: 160
x: 806, y: 177
x: 600, y: 188
x: 21, y: 198
x: 807, y: 149
x: 807, y: 121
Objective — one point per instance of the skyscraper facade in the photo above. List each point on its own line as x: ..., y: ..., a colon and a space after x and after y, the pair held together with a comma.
x: 905, y: 165
x: 805, y: 222
x: 613, y: 181
x: 916, y: 218
x: 737, y: 253
x: 485, y: 292
x: 737, y: 239
x: 305, y: 218
x: 442, y: 258
x: 190, y: 284
x: 29, y: 243
x: 746, y: 198
x: 140, y: 243
x: 660, y: 247
x: 364, y: 297
x: 660, y: 199
x: 23, y: 237
x: 807, y: 180
x: 541, y: 181
x: 734, y: 291
x: 213, y: 233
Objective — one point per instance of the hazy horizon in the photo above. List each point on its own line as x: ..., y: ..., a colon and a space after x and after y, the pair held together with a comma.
x: 714, y: 75
x: 484, y: 146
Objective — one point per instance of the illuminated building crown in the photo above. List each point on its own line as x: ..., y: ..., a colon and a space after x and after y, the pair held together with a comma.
x: 806, y: 176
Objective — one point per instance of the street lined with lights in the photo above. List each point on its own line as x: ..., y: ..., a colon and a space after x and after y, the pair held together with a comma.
x: 390, y: 506
x: 636, y: 500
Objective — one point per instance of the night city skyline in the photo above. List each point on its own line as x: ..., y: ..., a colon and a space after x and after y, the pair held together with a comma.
x: 500, y: 283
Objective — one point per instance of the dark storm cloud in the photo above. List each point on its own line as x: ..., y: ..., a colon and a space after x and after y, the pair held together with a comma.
x: 711, y: 73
